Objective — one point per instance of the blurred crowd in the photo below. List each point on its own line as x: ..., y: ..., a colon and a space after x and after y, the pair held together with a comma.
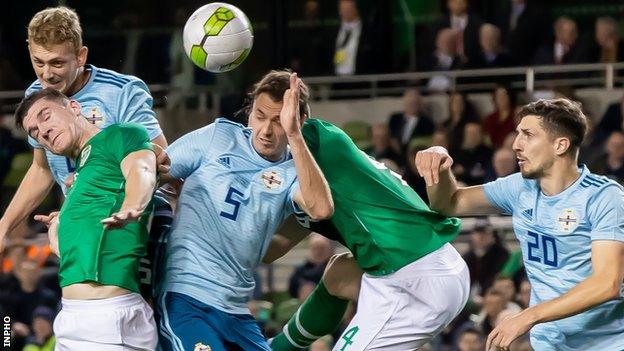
x: 337, y: 37
x: 482, y: 145
x: 30, y: 293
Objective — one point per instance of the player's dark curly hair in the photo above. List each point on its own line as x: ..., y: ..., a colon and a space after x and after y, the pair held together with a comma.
x: 560, y: 118
x: 27, y: 102
x: 275, y: 83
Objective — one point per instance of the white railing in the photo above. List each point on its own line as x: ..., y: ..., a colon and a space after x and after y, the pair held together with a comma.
x: 527, y: 78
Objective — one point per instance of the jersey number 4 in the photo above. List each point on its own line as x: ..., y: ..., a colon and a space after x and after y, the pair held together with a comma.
x: 383, y: 167
x: 546, y: 244
x: 229, y: 198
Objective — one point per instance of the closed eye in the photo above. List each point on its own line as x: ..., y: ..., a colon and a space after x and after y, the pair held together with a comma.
x: 33, y: 132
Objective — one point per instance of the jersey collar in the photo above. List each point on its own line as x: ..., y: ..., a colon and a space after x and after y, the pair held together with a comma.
x: 584, y: 172
x: 88, y: 68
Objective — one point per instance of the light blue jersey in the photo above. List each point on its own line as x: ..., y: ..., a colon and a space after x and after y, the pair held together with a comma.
x: 556, y: 233
x: 107, y: 98
x: 232, y: 202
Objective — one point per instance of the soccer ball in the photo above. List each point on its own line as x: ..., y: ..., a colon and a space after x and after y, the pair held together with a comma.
x: 217, y: 37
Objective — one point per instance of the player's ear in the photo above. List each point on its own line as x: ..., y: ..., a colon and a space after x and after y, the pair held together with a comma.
x: 562, y: 145
x: 82, y: 56
x: 75, y: 107
x: 306, y: 113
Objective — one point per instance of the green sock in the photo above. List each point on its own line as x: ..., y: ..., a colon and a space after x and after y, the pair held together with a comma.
x: 319, y: 315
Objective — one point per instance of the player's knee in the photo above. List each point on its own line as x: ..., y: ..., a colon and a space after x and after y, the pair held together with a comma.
x: 342, y: 276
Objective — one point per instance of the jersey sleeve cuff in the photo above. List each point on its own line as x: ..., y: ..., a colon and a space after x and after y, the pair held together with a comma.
x: 607, y: 236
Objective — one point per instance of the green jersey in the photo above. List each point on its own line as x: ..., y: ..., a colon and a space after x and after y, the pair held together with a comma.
x: 377, y: 216
x: 88, y: 252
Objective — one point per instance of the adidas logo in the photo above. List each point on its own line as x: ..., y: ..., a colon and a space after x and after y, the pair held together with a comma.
x: 225, y: 161
x: 528, y: 213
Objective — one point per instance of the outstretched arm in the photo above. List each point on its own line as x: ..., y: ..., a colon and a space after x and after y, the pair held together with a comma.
x: 602, y: 285
x: 32, y: 190
x: 434, y: 164
x: 139, y: 170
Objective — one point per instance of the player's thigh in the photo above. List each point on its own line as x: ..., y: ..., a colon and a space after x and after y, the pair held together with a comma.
x: 342, y: 276
x: 377, y: 302
x: 404, y: 314
x: 138, y: 327
x: 112, y: 323
x: 75, y: 326
x: 73, y: 345
x: 184, y: 327
x: 242, y: 332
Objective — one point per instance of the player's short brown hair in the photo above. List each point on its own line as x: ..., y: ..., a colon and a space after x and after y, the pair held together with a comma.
x: 275, y: 83
x: 55, y: 25
x: 27, y: 102
x: 560, y: 118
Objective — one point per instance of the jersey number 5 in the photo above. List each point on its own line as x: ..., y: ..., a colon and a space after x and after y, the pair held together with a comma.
x: 229, y: 198
x: 547, y: 244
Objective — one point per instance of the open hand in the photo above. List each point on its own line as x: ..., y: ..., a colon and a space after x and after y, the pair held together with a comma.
x: 507, y: 331
x: 289, y: 116
x: 121, y: 218
x: 47, y: 220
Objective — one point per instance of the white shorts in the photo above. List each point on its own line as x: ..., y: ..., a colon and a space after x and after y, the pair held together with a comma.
x: 406, y: 309
x: 118, y: 323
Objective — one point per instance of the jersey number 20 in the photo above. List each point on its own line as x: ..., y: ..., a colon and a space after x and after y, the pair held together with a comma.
x: 547, y: 244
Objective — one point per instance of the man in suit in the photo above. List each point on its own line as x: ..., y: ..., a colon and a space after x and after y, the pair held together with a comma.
x: 608, y: 47
x: 565, y: 48
x: 466, y: 26
x: 357, y: 47
x: 444, y: 56
x: 521, y: 23
x: 492, y: 54
x: 410, y: 123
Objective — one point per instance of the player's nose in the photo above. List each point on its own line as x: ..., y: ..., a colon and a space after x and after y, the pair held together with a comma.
x: 516, y: 145
x: 47, y: 72
x: 267, y: 129
x: 45, y: 133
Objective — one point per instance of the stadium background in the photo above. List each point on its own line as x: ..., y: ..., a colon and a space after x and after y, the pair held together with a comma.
x: 407, y: 65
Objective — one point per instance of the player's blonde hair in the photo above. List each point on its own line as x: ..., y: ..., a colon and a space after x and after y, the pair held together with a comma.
x: 55, y: 25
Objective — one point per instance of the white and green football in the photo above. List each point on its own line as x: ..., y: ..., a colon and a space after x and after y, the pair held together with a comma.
x: 217, y: 37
